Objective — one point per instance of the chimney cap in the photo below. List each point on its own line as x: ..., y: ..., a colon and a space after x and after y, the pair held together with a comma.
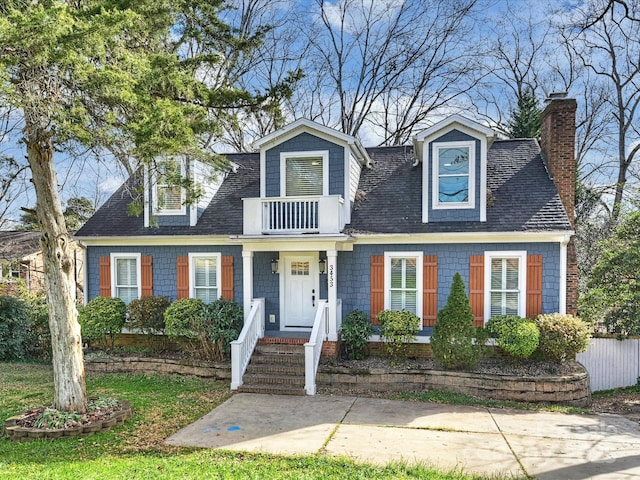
x: 556, y: 96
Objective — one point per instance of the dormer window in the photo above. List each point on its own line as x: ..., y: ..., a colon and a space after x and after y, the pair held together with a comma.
x: 169, y: 196
x: 304, y: 173
x: 453, y: 175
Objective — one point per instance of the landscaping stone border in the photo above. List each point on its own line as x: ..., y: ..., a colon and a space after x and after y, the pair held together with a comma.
x: 18, y: 433
x: 570, y: 389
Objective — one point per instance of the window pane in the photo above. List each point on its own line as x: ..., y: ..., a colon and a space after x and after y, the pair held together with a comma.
x: 304, y: 176
x: 126, y: 294
x: 496, y: 304
x: 410, y: 275
x: 126, y: 272
x: 207, y: 295
x: 496, y: 274
x: 397, y: 300
x: 453, y: 189
x: 169, y: 198
x: 410, y: 301
x: 396, y: 273
x: 453, y: 161
x: 205, y: 272
x: 511, y: 303
x: 512, y: 273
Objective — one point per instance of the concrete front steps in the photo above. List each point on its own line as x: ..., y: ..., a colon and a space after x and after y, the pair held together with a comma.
x: 276, y: 366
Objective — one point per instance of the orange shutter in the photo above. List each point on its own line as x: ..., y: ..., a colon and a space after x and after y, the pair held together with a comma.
x: 429, y: 290
x: 105, y: 276
x: 534, y: 285
x: 227, y: 278
x: 377, y: 287
x: 146, y: 270
x: 476, y: 288
x: 182, y: 277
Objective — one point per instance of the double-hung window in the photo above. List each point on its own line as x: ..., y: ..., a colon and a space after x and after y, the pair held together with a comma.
x: 403, y: 282
x: 169, y: 195
x: 506, y: 272
x: 454, y: 175
x: 304, y: 173
x: 125, y: 276
x: 205, y: 276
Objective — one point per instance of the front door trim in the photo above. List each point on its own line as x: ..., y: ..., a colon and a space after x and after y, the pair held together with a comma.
x: 285, y: 276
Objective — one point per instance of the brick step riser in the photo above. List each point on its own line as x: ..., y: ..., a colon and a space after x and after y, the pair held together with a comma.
x: 280, y: 349
x: 272, y: 390
x: 278, y: 359
x: 275, y: 369
x: 265, y: 379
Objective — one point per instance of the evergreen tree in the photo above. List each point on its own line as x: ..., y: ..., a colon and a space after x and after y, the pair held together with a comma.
x: 525, y: 120
x: 452, y: 339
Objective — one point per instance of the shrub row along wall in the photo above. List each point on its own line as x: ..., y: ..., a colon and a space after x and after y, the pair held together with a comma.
x: 565, y: 389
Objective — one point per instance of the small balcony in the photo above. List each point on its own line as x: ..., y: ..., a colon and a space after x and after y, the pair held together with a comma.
x: 291, y: 215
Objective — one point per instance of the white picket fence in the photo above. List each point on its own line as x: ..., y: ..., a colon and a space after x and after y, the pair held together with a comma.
x: 611, y: 363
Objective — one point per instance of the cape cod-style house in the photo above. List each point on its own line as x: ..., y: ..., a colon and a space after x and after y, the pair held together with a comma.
x: 313, y: 225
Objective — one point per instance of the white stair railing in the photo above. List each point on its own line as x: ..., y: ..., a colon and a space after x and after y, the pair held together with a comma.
x: 242, y: 348
x: 313, y: 348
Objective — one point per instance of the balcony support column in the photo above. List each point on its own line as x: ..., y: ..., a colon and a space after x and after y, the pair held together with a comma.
x: 332, y: 284
x: 247, y: 281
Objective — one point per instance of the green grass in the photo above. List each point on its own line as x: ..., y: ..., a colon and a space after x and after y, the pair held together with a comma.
x: 635, y: 389
x: 162, y: 405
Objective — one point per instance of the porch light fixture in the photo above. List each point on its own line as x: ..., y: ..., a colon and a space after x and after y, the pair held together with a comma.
x: 322, y: 266
x: 274, y: 266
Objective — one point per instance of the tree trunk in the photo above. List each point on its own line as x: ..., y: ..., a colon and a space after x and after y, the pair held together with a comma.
x: 68, y: 364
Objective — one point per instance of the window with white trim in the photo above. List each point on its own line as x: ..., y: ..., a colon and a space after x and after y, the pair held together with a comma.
x: 125, y: 276
x: 505, y: 275
x: 169, y: 196
x: 454, y: 175
x: 304, y: 173
x: 403, y: 281
x: 205, y: 276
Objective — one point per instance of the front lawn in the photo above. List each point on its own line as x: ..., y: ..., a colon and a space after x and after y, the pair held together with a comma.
x: 162, y: 405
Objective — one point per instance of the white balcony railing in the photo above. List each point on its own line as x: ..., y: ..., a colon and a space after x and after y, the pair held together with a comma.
x: 313, y: 348
x: 242, y: 348
x: 285, y: 215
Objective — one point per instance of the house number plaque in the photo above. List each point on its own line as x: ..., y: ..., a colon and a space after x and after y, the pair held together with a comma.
x: 331, y: 276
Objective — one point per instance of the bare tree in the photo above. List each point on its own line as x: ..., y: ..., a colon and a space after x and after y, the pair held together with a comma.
x: 386, y: 64
x: 609, y: 47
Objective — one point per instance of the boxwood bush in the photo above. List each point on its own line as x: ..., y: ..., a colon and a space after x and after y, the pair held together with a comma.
x: 355, y: 333
x: 102, y: 319
x: 184, y: 319
x: 397, y: 330
x: 515, y: 335
x: 146, y: 315
x: 561, y: 337
x: 223, y: 320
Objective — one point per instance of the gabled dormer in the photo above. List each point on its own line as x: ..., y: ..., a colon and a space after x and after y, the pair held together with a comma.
x: 309, y: 176
x: 165, y: 198
x: 454, y: 172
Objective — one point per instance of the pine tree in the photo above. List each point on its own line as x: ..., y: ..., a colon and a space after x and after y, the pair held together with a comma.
x: 452, y: 339
x: 525, y: 120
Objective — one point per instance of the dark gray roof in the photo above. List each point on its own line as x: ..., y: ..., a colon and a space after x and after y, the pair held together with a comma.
x: 522, y: 197
x: 17, y: 244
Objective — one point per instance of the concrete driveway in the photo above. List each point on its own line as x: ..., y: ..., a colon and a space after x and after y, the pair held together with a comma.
x: 481, y: 440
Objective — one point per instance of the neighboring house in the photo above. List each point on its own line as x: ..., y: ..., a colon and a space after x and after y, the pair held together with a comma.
x: 21, y: 259
x: 314, y: 217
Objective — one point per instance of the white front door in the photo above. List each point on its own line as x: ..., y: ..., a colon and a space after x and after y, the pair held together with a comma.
x: 299, y: 301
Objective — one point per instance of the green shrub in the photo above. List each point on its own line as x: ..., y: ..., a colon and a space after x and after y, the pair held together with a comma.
x: 14, y: 327
x: 184, y: 318
x: 223, y: 320
x: 39, y: 335
x: 561, y: 337
x: 356, y: 330
x: 452, y: 342
x: 146, y: 315
x: 515, y: 335
x: 102, y: 319
x: 397, y: 330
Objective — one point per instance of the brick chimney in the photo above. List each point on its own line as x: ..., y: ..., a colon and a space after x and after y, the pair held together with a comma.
x: 557, y: 142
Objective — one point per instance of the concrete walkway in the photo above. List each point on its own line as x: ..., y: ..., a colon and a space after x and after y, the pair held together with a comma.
x: 481, y: 440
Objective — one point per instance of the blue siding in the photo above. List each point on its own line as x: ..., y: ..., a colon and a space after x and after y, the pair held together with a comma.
x: 354, y: 269
x: 164, y: 266
x: 301, y: 143
x: 455, y: 215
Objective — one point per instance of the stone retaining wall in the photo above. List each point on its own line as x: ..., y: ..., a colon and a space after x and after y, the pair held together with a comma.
x: 564, y: 389
x: 199, y: 368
